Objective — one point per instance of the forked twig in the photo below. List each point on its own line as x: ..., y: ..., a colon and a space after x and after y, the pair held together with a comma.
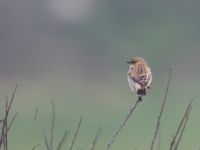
x: 6, y: 127
x: 76, y: 133
x: 161, y: 110
x: 133, y: 107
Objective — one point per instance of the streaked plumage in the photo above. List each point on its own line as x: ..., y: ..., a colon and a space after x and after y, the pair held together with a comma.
x: 139, y: 76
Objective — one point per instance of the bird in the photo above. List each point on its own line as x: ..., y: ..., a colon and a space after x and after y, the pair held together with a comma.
x: 139, y: 76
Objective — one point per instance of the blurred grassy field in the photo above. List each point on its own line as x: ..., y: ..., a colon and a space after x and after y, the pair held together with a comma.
x: 102, y: 105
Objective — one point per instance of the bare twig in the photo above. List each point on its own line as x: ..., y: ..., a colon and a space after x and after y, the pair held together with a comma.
x: 159, y: 139
x: 3, y: 131
x: 49, y: 143
x: 12, y: 98
x: 181, y: 126
x: 46, y: 141
x: 183, y: 129
x: 5, y: 141
x: 161, y: 110
x: 76, y: 133
x: 92, y: 147
x: 52, y: 125
x: 44, y: 132
x: 6, y: 130
x: 5, y: 127
x: 63, y: 140
x: 133, y: 107
x: 13, y: 119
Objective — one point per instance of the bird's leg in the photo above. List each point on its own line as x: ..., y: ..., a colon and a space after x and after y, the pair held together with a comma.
x: 139, y: 98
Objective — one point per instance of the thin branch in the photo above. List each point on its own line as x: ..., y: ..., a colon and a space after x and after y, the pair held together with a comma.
x: 159, y: 139
x: 92, y: 147
x: 3, y: 134
x: 46, y: 141
x: 181, y: 124
x: 13, y: 119
x: 5, y: 141
x: 12, y: 98
x: 6, y: 130
x: 133, y: 107
x: 52, y: 125
x: 7, y: 110
x: 44, y: 132
x: 63, y: 140
x: 49, y: 143
x: 183, y: 129
x: 76, y: 133
x: 162, y: 109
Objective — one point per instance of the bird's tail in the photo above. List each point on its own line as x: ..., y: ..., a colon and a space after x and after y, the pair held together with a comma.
x: 141, y: 92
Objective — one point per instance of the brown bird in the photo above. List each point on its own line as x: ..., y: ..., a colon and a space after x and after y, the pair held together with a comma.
x: 139, y: 76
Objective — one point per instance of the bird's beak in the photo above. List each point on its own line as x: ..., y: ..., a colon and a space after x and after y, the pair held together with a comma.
x: 128, y: 62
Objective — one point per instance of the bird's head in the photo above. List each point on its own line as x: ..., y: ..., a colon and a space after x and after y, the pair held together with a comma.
x: 135, y: 60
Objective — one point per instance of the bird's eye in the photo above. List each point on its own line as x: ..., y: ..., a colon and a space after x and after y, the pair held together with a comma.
x: 133, y: 61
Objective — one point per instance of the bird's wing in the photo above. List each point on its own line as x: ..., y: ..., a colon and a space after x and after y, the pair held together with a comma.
x: 142, y: 80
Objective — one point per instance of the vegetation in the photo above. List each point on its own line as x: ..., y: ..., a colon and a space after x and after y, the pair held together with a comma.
x: 49, y: 142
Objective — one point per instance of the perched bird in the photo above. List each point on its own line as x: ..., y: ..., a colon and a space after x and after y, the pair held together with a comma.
x: 139, y: 76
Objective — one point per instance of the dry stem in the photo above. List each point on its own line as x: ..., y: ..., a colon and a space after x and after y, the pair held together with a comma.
x: 62, y: 141
x: 161, y: 110
x: 6, y: 127
x: 133, y: 107
x: 183, y: 129
x: 76, y: 133
x: 174, y: 144
x: 92, y: 147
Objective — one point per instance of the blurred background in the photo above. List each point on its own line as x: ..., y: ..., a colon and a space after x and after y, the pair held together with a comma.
x: 74, y: 52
